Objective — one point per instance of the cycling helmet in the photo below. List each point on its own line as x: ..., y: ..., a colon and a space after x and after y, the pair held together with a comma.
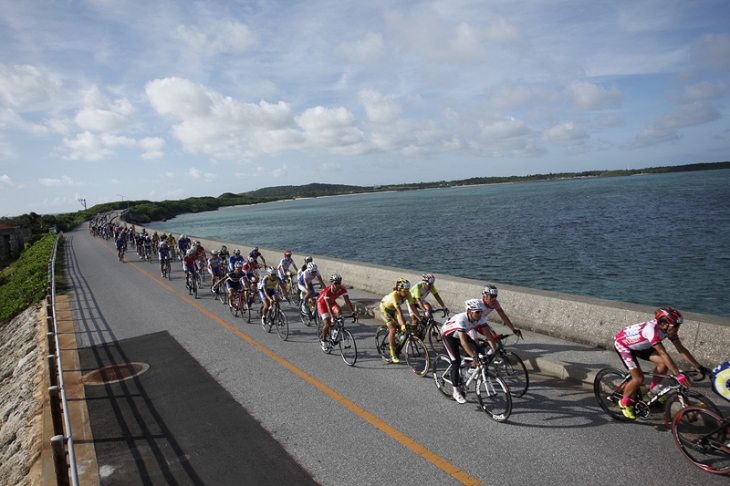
x: 272, y: 271
x: 474, y: 305
x: 668, y: 315
x: 190, y: 252
x: 428, y: 278
x: 197, y: 242
x: 238, y: 265
x: 255, y: 248
x: 308, y: 259
x: 147, y: 238
x: 312, y: 267
x: 224, y: 247
x: 164, y: 243
x: 251, y: 259
x: 336, y: 277
x: 489, y: 290
x: 287, y: 253
x: 402, y: 283
x: 183, y: 236
x: 214, y: 252
x: 236, y: 252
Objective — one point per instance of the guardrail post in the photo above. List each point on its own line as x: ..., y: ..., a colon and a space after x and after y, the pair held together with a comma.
x: 49, y: 323
x: 56, y: 411
x: 59, y: 460
x: 52, y: 374
x: 51, y: 337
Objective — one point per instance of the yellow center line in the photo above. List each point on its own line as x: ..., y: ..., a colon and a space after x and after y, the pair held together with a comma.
x: 434, y: 459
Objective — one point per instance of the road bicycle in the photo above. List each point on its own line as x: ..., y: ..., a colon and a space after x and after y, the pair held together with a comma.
x: 193, y: 284
x: 238, y: 304
x: 609, y: 385
x: 310, y: 315
x: 337, y: 335
x: 491, y: 390
x: 407, y: 341
x: 292, y: 289
x: 120, y: 254
x: 167, y: 269
x: 509, y: 366
x: 432, y: 331
x: 275, y: 318
x: 703, y: 437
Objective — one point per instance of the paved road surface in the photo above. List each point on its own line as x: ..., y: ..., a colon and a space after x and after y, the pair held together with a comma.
x: 193, y: 417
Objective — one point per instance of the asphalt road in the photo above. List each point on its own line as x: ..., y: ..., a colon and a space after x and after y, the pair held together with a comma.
x: 369, y: 424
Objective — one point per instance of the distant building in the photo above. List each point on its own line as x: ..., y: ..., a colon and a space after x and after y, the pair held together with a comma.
x: 11, y: 241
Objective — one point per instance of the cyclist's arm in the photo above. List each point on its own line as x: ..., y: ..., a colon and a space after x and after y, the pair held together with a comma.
x: 349, y: 304
x: 464, y: 341
x: 505, y: 319
x: 684, y: 352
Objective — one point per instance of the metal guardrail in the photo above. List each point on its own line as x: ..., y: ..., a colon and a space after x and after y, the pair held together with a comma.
x: 62, y: 443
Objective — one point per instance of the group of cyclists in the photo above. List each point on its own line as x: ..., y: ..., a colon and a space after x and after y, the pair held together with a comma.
x: 467, y: 331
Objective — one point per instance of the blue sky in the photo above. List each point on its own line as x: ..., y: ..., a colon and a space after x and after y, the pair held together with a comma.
x: 156, y: 100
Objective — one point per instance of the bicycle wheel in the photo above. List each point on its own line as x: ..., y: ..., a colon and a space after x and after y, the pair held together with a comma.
x: 381, y: 343
x: 702, y: 437
x: 417, y: 356
x: 282, y: 325
x: 442, y: 375
x: 687, y: 398
x: 433, y: 335
x: 513, y: 371
x: 494, y: 397
x: 247, y: 311
x: 608, y: 389
x: 348, y: 348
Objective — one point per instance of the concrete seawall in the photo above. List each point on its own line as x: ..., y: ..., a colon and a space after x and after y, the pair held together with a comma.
x: 584, y: 320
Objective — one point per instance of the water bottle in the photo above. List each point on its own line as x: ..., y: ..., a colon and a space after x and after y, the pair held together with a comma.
x: 334, y: 334
x: 402, y: 338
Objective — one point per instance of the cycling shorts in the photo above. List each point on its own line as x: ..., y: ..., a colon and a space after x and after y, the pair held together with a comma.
x: 264, y: 292
x: 389, y: 315
x: 629, y: 356
x: 322, y: 309
x: 231, y: 285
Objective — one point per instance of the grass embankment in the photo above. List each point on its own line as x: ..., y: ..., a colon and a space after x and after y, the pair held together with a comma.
x: 23, y: 283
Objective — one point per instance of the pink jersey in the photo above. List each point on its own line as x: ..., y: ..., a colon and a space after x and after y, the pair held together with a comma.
x: 642, y: 336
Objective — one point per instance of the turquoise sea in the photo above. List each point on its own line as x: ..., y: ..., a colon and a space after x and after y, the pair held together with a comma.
x: 658, y: 240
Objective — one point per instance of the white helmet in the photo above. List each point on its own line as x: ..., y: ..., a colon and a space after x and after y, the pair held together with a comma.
x: 312, y: 267
x: 474, y: 305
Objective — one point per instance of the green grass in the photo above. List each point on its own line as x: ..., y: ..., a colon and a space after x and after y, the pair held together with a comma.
x: 23, y: 283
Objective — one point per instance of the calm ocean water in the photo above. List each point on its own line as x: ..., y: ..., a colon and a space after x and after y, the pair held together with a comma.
x: 657, y: 240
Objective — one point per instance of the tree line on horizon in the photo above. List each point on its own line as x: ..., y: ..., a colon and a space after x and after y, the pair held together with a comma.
x: 145, y: 211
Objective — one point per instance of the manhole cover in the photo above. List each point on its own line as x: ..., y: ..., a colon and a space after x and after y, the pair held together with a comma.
x: 115, y: 373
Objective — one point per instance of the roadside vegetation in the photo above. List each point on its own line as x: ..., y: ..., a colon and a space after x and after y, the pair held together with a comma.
x: 23, y: 283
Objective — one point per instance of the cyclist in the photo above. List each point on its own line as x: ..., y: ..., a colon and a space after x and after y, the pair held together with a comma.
x: 644, y: 340
x: 121, y: 244
x: 251, y: 270
x: 267, y: 290
x: 307, y: 261
x: 223, y: 254
x: 461, y: 330
x: 393, y: 315
x: 183, y: 244
x: 489, y: 299
x: 235, y: 281
x: 155, y: 241
x: 163, y: 252
x: 189, y: 266
x: 257, y: 254
x: 422, y: 290
x: 200, y: 257
x: 147, y: 244
x: 284, y: 272
x: 236, y: 257
x: 306, y: 285
x: 215, y: 270
x: 328, y: 307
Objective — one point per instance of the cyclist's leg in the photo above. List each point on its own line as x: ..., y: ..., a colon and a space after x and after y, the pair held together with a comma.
x: 452, y: 347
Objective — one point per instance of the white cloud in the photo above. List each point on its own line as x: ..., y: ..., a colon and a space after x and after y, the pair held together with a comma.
x: 152, y: 147
x: 665, y: 128
x: 7, y: 182
x: 379, y: 108
x: 589, y: 96
x: 86, y: 146
x: 565, y: 134
x: 25, y: 84
x: 503, y: 137
x: 117, y: 141
x: 199, y: 174
x: 10, y: 119
x: 369, y: 49
x: 332, y: 128
x: 63, y: 181
x: 704, y: 90
x: 217, y: 38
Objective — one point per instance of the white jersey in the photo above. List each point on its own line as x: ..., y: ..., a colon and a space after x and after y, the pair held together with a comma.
x: 461, y: 323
